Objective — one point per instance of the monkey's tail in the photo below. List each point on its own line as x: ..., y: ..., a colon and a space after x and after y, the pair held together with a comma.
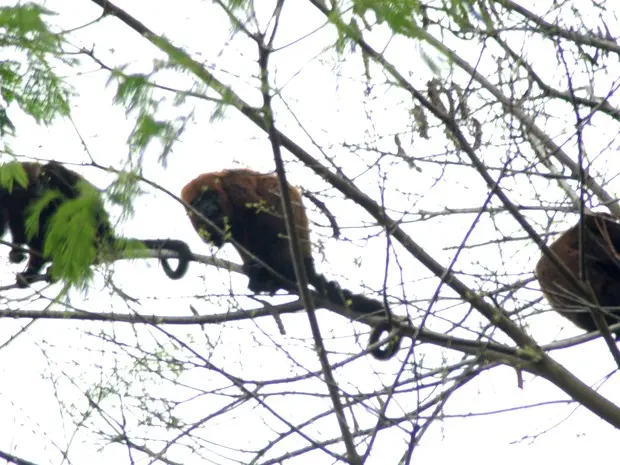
x: 174, y: 245
x: 359, y: 304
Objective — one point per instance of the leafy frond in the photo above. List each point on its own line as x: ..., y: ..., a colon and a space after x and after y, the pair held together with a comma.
x: 133, y: 90
x: 122, y: 192
x: 71, y: 235
x: 30, y: 81
x: 135, y: 93
x: 35, y: 210
x: 400, y: 15
x: 12, y: 172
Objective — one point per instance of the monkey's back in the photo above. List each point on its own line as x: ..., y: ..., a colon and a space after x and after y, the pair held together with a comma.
x: 254, y: 195
x: 602, y: 271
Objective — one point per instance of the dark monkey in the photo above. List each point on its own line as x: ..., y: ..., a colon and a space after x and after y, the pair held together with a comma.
x: 14, y: 203
x: 246, y: 205
x: 601, y: 244
x: 65, y: 184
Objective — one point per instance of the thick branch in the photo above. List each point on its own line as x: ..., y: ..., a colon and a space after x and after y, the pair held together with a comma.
x: 145, y: 254
x: 10, y: 458
x: 490, y: 350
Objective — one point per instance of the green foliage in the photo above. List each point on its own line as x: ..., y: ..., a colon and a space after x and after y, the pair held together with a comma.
x: 123, y: 190
x: 135, y: 92
x: 398, y: 14
x: 407, y: 17
x: 236, y: 5
x: 30, y: 81
x: 227, y: 99
x: 148, y: 128
x: 459, y: 12
x: 71, y: 235
x: 430, y: 62
x: 12, y: 172
x: 6, y: 126
x: 74, y: 241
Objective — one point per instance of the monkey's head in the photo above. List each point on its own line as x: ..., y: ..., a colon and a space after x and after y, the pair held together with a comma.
x: 211, y: 204
x: 53, y: 175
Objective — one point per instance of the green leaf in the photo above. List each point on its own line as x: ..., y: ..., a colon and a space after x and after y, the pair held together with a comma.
x: 133, y: 91
x: 6, y: 125
x: 11, y: 172
x: 31, y: 82
x: 123, y: 190
x: 398, y: 14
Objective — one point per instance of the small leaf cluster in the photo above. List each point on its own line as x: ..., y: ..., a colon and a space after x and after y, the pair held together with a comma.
x: 12, y: 172
x: 135, y: 93
x: 28, y: 51
x: 122, y: 191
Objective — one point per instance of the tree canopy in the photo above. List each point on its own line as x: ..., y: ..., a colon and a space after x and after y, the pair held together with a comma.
x: 441, y: 148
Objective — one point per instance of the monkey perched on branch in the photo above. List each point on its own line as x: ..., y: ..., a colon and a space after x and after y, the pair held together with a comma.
x: 245, y: 206
x: 601, y: 246
x: 61, y: 185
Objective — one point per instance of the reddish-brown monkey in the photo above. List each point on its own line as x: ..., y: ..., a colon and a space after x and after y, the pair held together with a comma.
x: 601, y: 246
x: 245, y: 206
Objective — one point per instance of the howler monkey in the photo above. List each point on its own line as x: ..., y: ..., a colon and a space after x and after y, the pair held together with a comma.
x: 66, y: 185
x: 245, y: 206
x: 601, y: 246
x: 14, y: 202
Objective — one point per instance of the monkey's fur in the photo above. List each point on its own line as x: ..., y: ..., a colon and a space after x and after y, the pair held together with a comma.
x: 245, y: 206
x: 601, y: 252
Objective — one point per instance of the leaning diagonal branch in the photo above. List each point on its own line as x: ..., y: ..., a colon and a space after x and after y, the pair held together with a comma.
x: 595, y: 103
x: 553, y: 30
x: 10, y: 458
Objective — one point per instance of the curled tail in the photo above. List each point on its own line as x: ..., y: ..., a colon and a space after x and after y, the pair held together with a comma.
x: 363, y: 305
x: 174, y: 245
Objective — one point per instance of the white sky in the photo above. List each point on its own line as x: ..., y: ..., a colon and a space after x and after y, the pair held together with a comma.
x: 327, y: 98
